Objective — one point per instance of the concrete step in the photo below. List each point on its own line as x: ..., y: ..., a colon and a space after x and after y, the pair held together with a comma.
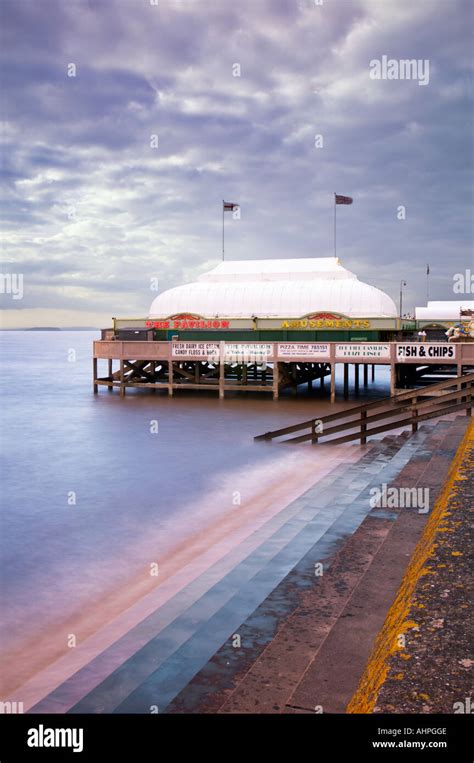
x: 334, y: 673
x: 257, y: 679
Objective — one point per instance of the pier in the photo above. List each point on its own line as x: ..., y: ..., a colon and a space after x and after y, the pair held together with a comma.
x: 270, y: 367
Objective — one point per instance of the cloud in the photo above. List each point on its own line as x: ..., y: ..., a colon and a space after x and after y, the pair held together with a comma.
x: 92, y: 211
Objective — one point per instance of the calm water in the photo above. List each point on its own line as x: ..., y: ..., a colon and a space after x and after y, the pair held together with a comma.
x: 137, y: 494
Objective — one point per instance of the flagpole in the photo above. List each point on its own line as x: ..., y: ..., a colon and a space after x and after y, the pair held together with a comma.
x: 427, y: 283
x: 222, y: 229
x: 335, y: 207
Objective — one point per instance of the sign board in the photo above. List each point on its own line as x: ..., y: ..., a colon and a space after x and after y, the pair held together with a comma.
x: 183, y: 324
x: 361, y: 350
x: 241, y: 352
x: 426, y: 351
x: 234, y: 352
x: 301, y: 350
x: 326, y: 323
x: 194, y: 349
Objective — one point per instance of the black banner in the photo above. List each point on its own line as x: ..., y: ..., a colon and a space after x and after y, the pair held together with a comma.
x: 139, y: 738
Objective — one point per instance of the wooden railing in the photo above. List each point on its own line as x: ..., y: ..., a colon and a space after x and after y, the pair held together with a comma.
x: 441, y: 401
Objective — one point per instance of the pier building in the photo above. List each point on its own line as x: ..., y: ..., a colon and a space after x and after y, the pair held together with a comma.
x: 270, y: 325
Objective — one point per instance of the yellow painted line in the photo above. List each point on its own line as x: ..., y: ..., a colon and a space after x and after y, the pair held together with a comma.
x: 397, y: 621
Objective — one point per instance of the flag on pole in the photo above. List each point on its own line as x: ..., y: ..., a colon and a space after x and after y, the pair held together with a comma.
x: 338, y: 199
x: 227, y: 206
x: 343, y: 199
x: 427, y: 270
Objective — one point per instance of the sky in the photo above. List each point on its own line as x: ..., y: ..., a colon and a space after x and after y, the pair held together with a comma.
x: 127, y: 122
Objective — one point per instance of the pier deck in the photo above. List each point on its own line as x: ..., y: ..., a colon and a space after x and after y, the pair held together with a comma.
x: 270, y: 366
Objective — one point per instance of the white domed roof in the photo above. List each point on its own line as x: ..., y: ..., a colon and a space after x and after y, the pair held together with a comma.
x: 275, y: 289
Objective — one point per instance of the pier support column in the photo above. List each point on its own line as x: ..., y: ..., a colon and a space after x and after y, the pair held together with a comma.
x: 275, y: 380
x: 110, y: 374
x: 356, y: 378
x: 170, y: 378
x: 366, y: 375
x: 94, y: 375
x: 294, y: 376
x: 333, y: 382
x: 346, y: 380
x: 221, y: 369
x: 373, y: 371
x: 393, y: 380
x: 122, y: 385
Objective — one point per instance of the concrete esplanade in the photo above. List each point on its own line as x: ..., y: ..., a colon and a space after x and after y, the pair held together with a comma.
x: 267, y: 325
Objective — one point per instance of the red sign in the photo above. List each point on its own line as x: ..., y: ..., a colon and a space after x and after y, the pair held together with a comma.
x: 188, y: 323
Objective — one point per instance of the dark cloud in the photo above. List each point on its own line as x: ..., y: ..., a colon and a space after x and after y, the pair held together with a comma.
x: 92, y: 211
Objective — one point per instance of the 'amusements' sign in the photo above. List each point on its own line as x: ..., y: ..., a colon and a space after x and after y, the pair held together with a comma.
x: 326, y: 323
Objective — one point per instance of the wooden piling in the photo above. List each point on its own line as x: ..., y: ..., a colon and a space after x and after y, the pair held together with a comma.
x: 221, y: 369
x: 122, y: 383
x: 110, y: 375
x: 275, y: 380
x: 346, y: 381
x: 333, y: 382
x: 170, y: 377
x: 393, y: 380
